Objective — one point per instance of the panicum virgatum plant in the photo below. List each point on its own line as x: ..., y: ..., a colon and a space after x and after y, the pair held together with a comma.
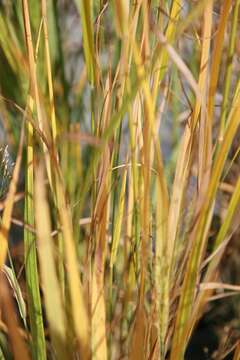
x: 124, y: 120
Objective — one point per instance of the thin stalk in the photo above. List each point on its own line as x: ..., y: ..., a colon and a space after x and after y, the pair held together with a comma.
x: 31, y: 268
x: 228, y: 74
x: 54, y: 136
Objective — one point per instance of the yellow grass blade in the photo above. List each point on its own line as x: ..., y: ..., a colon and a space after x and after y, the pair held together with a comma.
x: 122, y: 13
x: 100, y: 236
x: 162, y: 272
x: 78, y: 306
x: 50, y: 284
x: 99, y: 345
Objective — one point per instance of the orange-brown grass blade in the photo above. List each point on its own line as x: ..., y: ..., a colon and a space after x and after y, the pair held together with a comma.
x: 205, y: 128
x: 50, y: 284
x: 237, y: 352
x: 136, y: 142
x: 118, y: 224
x: 100, y: 236
x: 101, y: 214
x: 217, y: 56
x: 138, y: 346
x: 8, y: 310
x: 98, y: 313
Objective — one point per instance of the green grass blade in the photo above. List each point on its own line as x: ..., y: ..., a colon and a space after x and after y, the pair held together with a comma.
x: 85, y: 10
x: 31, y: 267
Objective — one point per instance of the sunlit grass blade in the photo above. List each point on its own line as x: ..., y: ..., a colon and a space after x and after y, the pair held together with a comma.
x: 78, y: 305
x: 205, y: 128
x: 99, y: 343
x: 162, y: 271
x: 50, y: 284
x: 99, y: 236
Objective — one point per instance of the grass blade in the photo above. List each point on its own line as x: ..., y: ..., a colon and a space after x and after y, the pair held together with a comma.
x: 51, y: 288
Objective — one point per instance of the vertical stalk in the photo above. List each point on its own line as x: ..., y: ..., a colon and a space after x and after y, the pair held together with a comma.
x: 55, y: 188
x: 35, y: 310
x: 228, y: 74
x: 32, y: 279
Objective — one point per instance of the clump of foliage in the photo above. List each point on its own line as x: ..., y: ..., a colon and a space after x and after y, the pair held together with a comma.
x: 124, y: 116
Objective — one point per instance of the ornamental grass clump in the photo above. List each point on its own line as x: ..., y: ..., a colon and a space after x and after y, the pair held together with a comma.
x: 124, y: 118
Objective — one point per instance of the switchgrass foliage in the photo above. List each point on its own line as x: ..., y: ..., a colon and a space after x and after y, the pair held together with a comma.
x: 129, y: 150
